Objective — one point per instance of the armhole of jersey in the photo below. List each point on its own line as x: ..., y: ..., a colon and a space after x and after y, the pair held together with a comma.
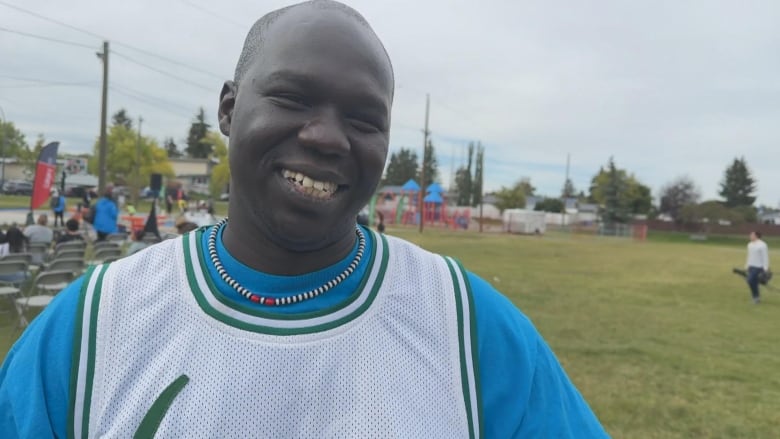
x: 83, y: 362
x: 467, y: 338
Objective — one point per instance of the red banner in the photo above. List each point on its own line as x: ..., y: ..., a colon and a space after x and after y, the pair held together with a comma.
x: 45, y: 175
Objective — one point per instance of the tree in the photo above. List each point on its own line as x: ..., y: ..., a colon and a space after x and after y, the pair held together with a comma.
x: 568, y: 190
x: 463, y: 181
x: 30, y: 156
x: 477, y: 183
x: 619, y: 194
x: 171, y: 148
x: 12, y: 141
x: 738, y: 185
x: 431, y: 166
x: 401, y: 168
x: 553, y: 205
x: 614, y: 200
x: 680, y: 192
x: 121, y: 118
x: 122, y: 145
x: 220, y: 173
x: 526, y: 187
x: 197, y: 144
x: 511, y: 197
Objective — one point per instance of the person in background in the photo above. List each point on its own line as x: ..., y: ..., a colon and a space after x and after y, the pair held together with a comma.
x: 138, y: 243
x: 757, y: 263
x: 13, y: 241
x: 39, y: 232
x: 106, y: 215
x: 58, y: 206
x: 71, y: 232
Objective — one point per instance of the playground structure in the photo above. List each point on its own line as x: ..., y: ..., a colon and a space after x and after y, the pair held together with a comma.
x: 401, y: 207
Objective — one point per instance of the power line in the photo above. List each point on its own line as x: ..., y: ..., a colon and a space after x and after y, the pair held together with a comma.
x: 151, y: 97
x: 41, y: 37
x: 162, y: 72
x: 35, y: 14
x: 119, y: 43
x: 149, y: 102
x: 212, y: 13
x: 50, y: 84
x: 44, y: 81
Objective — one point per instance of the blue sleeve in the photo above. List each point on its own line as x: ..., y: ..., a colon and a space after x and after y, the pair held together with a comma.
x: 35, y: 375
x: 525, y: 391
x: 61, y: 205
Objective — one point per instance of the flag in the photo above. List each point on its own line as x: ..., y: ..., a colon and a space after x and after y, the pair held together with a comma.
x: 45, y: 175
x: 151, y: 221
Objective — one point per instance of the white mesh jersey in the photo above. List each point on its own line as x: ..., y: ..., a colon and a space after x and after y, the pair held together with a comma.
x: 159, y: 352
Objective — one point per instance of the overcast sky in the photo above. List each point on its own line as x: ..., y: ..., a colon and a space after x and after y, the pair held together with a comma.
x: 668, y: 88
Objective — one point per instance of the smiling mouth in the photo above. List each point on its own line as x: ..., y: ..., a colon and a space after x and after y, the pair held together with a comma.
x: 323, y: 190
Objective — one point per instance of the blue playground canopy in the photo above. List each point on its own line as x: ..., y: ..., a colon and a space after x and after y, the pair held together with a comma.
x: 433, y: 197
x: 411, y: 186
x: 434, y: 188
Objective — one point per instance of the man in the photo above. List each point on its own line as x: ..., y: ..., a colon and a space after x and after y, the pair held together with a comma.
x: 39, y: 232
x: 71, y: 232
x: 288, y: 320
x: 105, y: 216
x: 58, y: 206
x: 757, y: 263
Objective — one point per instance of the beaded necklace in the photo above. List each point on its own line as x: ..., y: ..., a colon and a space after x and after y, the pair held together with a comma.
x: 276, y: 301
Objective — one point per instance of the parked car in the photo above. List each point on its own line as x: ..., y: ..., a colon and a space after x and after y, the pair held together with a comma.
x: 18, y: 187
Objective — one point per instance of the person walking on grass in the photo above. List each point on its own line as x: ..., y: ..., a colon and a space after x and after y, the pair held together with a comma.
x: 757, y: 264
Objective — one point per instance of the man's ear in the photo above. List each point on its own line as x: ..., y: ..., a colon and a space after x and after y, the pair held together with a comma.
x: 227, y: 100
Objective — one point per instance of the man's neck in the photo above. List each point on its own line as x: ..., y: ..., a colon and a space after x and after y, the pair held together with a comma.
x: 256, y: 251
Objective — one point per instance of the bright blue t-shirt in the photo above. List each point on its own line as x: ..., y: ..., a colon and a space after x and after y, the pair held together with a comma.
x: 525, y: 392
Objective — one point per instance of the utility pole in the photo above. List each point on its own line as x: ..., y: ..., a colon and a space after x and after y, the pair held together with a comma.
x: 137, y: 163
x: 2, y: 148
x: 422, y: 168
x: 566, y: 182
x: 103, y: 110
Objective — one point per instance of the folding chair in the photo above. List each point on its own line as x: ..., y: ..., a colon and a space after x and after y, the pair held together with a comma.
x: 12, y: 275
x: 104, y: 244
x: 117, y: 237
x: 75, y: 245
x: 76, y: 265
x: 27, y: 258
x: 67, y: 252
x: 39, y: 251
x: 106, y: 254
x: 41, y: 292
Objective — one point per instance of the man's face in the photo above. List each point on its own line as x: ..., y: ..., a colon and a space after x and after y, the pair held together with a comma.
x: 753, y: 236
x: 310, y: 127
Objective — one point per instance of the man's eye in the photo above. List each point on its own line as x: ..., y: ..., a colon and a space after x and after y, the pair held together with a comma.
x: 291, y: 101
x: 364, y: 126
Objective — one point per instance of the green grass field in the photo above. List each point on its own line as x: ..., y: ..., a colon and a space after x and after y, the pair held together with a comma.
x: 660, y: 337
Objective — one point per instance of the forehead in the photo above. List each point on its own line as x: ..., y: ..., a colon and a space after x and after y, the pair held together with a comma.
x: 323, y: 44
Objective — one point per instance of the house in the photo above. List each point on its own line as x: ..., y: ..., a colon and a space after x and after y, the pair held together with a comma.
x: 194, y: 174
x: 769, y: 217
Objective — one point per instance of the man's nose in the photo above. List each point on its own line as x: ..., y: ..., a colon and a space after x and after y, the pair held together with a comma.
x: 325, y: 133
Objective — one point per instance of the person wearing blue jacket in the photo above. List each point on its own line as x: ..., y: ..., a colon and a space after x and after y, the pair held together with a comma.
x: 106, y: 216
x: 58, y: 206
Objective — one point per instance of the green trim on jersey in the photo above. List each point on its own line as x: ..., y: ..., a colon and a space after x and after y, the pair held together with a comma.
x: 474, y: 347
x: 216, y: 305
x: 152, y: 419
x: 467, y: 344
x: 81, y: 385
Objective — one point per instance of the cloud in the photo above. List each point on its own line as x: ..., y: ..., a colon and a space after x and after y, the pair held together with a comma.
x: 667, y: 88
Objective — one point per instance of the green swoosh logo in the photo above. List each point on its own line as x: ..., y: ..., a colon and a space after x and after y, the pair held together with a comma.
x: 151, y: 421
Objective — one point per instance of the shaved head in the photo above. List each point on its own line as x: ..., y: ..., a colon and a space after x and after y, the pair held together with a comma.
x: 253, y: 44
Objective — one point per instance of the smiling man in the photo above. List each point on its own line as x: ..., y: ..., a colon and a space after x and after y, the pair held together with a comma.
x: 289, y: 320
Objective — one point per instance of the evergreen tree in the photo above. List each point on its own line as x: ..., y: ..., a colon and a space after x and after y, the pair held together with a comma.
x: 431, y: 166
x: 738, y: 186
x: 463, y: 180
x: 171, y: 148
x: 401, y: 167
x: 198, y: 145
x: 122, y: 118
x: 568, y: 189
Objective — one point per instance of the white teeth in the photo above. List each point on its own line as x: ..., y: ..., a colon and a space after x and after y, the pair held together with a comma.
x: 310, y: 186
